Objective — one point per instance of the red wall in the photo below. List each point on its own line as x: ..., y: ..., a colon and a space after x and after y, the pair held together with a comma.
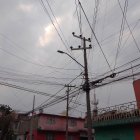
x: 136, y: 85
x: 58, y: 127
x: 38, y: 135
x: 60, y: 124
x: 61, y: 136
x: 41, y: 135
x: 137, y: 132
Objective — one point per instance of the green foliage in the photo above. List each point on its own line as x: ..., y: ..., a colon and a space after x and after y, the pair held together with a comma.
x: 5, y: 109
x: 6, y: 118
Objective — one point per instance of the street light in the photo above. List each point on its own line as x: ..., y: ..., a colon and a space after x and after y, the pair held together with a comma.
x: 86, y: 86
x: 59, y: 51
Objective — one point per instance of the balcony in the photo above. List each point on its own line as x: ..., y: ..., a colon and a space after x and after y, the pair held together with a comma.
x: 126, y: 113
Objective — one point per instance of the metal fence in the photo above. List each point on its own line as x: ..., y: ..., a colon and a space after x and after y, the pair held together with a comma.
x: 121, y: 111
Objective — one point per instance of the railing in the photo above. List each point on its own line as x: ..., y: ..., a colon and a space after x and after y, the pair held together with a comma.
x: 120, y: 108
x: 121, y: 111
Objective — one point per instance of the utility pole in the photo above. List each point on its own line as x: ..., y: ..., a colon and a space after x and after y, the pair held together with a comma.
x: 31, y: 121
x: 67, y: 110
x: 86, y: 86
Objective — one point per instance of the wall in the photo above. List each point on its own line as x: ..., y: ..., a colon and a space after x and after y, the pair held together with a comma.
x: 115, y: 133
x: 20, y: 137
x: 41, y: 135
x: 137, y: 132
x: 41, y: 127
x: 136, y: 85
x: 61, y: 136
x: 37, y: 135
x: 60, y: 124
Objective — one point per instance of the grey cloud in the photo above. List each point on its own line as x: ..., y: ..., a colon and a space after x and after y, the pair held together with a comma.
x: 23, y: 29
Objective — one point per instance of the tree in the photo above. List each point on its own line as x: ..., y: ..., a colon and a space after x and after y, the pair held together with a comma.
x: 7, y: 116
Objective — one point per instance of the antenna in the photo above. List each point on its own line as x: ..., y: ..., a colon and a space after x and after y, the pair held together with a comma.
x: 95, y: 103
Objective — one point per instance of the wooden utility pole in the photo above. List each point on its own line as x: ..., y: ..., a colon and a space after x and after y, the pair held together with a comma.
x: 31, y: 121
x: 67, y: 110
x: 86, y: 86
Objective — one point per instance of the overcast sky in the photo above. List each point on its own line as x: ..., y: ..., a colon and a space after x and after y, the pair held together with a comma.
x: 29, y: 43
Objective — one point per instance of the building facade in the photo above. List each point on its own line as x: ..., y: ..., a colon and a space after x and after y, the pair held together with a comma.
x: 52, y: 127
x: 119, y: 122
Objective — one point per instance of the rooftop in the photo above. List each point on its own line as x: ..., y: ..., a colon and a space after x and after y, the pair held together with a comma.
x: 126, y: 113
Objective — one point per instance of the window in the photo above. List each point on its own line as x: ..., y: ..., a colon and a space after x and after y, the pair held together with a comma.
x: 70, y: 138
x: 51, y: 120
x: 72, y: 122
x: 16, y: 125
x: 49, y: 136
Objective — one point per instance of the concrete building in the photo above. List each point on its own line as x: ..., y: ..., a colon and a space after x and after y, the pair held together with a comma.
x: 51, y: 127
x: 120, y: 122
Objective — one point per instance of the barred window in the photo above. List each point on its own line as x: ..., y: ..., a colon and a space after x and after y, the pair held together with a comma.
x: 72, y: 122
x: 49, y: 136
x: 70, y: 138
x: 51, y: 120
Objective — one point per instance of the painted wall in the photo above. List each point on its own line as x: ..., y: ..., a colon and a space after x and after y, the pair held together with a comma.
x: 20, y: 137
x: 42, y: 127
x: 37, y: 135
x: 115, y: 133
x: 41, y: 135
x: 136, y: 85
x: 137, y: 132
x: 61, y: 136
x: 60, y: 124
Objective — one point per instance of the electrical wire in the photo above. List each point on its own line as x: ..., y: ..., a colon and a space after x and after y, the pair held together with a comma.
x: 95, y: 15
x: 117, y: 68
x: 20, y: 74
x: 30, y: 90
x: 116, y: 80
x: 61, y: 99
x: 136, y: 44
x: 57, y: 23
x: 114, y: 34
x: 128, y: 69
x: 76, y: 98
x: 46, y: 11
x: 130, y: 34
x: 96, y: 82
x: 28, y: 81
x: 28, y: 61
x: 75, y: 102
x: 14, y: 44
x: 95, y: 36
x: 56, y: 101
x: 94, y: 86
x: 121, y: 31
x: 24, y: 89
x: 79, y: 17
x: 55, y: 95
